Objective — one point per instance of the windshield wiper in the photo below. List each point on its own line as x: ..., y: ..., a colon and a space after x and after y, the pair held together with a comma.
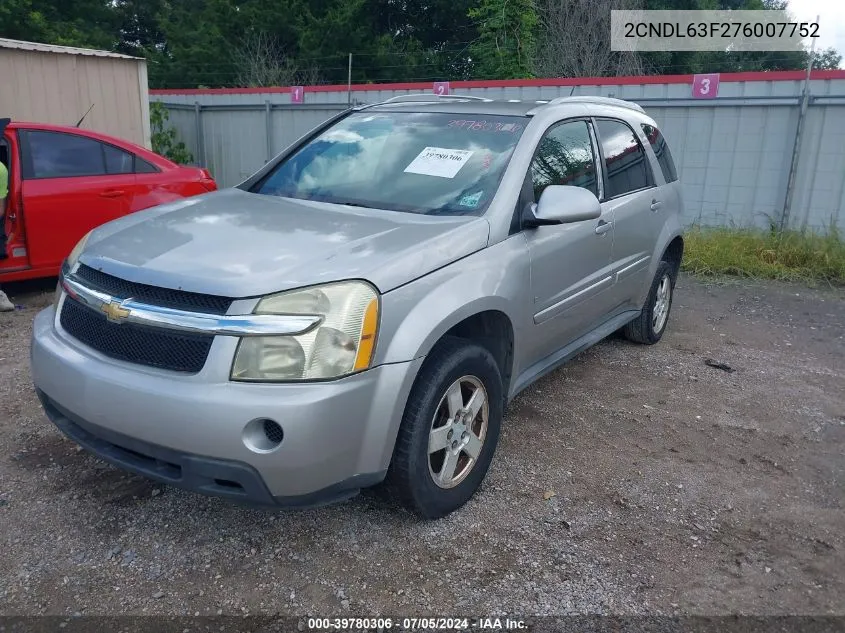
x: 348, y: 203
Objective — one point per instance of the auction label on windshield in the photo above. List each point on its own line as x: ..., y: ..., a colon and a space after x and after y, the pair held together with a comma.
x: 438, y: 161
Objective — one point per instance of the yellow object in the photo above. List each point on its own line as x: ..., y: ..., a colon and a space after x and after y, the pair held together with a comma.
x: 4, y: 181
x: 368, y: 336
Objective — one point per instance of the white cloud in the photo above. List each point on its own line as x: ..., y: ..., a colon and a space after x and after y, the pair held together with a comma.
x: 831, y: 14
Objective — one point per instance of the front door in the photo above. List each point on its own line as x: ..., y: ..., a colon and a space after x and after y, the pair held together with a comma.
x: 571, y: 263
x: 67, y: 191
x: 13, y: 256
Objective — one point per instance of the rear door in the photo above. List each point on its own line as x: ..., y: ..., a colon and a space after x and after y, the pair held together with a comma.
x: 570, y: 263
x: 630, y: 193
x: 668, y: 199
x: 68, y: 190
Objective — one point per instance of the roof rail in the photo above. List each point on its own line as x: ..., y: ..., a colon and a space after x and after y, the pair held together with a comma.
x: 431, y: 97
x: 620, y: 103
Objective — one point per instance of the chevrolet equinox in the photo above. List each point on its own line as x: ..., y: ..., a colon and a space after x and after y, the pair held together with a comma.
x: 362, y: 309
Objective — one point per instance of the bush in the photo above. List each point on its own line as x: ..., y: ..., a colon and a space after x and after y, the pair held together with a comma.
x: 788, y: 256
x: 163, y: 137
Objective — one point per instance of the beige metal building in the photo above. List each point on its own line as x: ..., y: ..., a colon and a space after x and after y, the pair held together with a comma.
x: 57, y: 84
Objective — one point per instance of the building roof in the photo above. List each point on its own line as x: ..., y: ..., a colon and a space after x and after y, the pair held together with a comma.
x: 51, y: 48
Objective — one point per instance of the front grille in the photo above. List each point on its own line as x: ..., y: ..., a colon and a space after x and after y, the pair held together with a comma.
x: 178, y: 299
x: 154, y: 347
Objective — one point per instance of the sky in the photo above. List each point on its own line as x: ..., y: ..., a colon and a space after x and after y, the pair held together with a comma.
x: 831, y: 14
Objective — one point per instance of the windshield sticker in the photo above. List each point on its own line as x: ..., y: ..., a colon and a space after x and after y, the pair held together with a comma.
x: 485, y: 126
x: 440, y: 162
x: 471, y: 199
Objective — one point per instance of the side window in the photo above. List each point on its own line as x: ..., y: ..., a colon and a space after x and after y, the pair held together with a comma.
x: 626, y: 165
x: 59, y: 155
x: 117, y: 160
x: 565, y: 156
x: 661, y: 150
x: 143, y: 167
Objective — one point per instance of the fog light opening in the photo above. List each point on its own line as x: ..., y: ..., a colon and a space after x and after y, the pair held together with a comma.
x: 263, y: 435
x: 273, y: 432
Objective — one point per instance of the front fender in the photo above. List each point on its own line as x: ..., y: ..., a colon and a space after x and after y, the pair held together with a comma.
x: 415, y: 316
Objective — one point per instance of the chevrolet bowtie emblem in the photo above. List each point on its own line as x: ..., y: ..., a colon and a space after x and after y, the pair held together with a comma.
x: 114, y: 311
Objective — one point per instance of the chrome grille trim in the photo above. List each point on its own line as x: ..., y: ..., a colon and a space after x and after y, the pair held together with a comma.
x: 182, y: 321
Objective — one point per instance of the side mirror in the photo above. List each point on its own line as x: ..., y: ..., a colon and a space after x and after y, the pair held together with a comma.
x: 562, y: 204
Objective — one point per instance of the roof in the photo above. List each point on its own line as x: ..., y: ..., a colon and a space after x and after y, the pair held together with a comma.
x: 51, y: 48
x: 72, y: 129
x: 457, y: 106
x: 469, y: 105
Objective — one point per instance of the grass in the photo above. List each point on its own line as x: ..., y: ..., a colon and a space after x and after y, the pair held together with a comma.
x: 789, y: 256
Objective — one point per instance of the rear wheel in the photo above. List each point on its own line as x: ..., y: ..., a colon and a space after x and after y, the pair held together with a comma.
x: 648, y: 328
x: 449, y: 430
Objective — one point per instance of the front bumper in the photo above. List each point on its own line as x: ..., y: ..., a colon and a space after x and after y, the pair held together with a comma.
x: 189, y: 430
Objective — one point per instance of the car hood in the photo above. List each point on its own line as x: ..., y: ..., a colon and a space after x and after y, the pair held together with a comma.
x: 240, y: 244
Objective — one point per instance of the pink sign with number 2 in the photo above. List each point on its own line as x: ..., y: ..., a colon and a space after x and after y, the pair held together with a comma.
x: 441, y: 87
x: 705, y: 86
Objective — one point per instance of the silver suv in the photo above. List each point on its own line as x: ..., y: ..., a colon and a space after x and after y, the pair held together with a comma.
x: 361, y: 310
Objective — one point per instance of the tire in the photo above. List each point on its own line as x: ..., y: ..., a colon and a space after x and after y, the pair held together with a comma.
x: 648, y: 328
x: 413, y: 473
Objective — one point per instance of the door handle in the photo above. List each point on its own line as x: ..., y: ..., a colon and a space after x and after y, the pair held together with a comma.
x: 112, y: 193
x: 655, y: 205
x: 603, y: 227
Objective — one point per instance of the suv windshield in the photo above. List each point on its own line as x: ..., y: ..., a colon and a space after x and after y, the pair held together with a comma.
x: 402, y: 161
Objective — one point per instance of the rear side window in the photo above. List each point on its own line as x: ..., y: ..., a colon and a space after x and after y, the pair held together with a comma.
x: 626, y: 166
x: 143, y: 167
x: 117, y: 160
x: 565, y: 157
x: 58, y: 155
x: 661, y: 150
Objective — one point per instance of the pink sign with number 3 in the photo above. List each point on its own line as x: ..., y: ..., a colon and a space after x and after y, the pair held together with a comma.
x: 705, y: 86
x: 297, y: 94
x: 441, y: 87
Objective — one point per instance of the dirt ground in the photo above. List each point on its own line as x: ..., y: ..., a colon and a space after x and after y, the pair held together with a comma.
x: 635, y: 480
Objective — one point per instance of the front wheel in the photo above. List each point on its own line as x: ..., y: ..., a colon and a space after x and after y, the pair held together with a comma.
x: 648, y: 328
x: 449, y: 430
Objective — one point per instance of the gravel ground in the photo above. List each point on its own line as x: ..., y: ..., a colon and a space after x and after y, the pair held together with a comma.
x: 635, y: 480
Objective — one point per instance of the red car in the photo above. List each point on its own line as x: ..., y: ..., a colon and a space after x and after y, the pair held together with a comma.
x: 64, y: 181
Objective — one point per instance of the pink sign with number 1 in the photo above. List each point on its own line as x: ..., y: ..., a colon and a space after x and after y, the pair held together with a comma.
x: 705, y: 86
x: 297, y: 94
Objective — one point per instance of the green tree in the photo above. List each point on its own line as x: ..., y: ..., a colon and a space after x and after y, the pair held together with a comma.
x: 192, y: 43
x: 507, y: 32
x: 84, y: 23
x: 827, y: 59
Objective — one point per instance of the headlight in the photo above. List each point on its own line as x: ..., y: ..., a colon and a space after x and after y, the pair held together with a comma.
x: 341, y: 344
x: 68, y: 266
x: 73, y: 258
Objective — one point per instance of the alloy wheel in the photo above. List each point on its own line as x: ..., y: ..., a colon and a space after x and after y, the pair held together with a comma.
x: 458, y: 431
x: 662, y: 301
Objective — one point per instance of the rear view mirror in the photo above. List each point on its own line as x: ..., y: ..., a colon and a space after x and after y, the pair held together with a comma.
x: 562, y: 204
